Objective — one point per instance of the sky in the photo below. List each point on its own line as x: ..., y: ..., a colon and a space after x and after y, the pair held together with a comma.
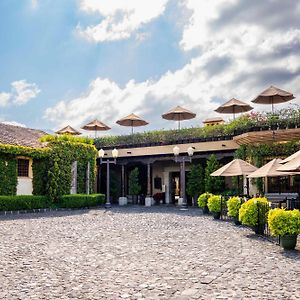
x: 67, y: 62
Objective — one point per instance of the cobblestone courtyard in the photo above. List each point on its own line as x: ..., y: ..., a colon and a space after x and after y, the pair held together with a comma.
x: 140, y: 253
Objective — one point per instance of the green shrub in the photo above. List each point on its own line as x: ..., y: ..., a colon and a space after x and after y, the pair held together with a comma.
x: 284, y: 222
x: 23, y: 202
x: 254, y: 212
x: 81, y: 200
x: 202, y: 199
x: 234, y: 205
x: 215, y: 203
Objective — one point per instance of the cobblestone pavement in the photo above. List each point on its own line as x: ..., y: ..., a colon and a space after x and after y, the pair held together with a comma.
x: 140, y: 253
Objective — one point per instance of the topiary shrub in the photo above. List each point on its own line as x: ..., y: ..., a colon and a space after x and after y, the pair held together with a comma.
x: 284, y: 222
x: 254, y: 213
x: 234, y: 205
x: 214, y: 203
x: 202, y: 199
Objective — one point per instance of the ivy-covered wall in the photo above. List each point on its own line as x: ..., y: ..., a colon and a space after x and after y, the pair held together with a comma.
x: 8, y: 174
x: 64, y: 153
x: 51, y: 166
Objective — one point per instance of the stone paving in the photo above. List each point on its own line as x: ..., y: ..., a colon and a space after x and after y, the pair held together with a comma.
x: 140, y: 253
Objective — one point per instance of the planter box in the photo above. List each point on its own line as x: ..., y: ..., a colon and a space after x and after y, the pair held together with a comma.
x: 123, y: 201
x: 288, y: 242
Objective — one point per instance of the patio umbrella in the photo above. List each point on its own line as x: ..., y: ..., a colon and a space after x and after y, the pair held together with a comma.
x: 270, y: 170
x: 291, y: 157
x: 132, y: 120
x: 179, y: 114
x: 236, y: 167
x: 292, y: 165
x: 273, y: 95
x: 95, y: 126
x: 68, y: 130
x: 233, y: 106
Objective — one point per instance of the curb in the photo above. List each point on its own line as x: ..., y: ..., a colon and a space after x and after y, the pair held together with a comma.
x: 42, y: 210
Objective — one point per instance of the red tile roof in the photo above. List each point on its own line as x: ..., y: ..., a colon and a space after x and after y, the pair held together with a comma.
x: 20, y: 136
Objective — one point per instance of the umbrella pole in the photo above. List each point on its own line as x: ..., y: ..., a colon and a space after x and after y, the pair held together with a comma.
x: 272, y: 105
x: 131, y: 129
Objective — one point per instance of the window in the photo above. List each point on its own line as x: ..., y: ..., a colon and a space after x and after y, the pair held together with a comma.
x: 23, y: 167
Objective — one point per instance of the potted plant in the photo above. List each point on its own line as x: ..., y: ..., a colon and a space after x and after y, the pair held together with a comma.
x: 234, y: 205
x: 214, y: 204
x: 253, y: 213
x: 286, y: 225
x: 202, y: 202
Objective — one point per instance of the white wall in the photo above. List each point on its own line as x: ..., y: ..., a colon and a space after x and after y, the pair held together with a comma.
x: 24, y: 186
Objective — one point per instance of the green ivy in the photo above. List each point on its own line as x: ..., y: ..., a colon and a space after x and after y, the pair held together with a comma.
x: 8, y: 174
x: 51, y: 166
x: 40, y: 178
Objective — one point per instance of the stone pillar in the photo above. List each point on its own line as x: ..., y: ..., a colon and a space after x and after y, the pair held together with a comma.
x: 87, y: 182
x: 149, y: 199
x: 74, y: 178
x: 123, y: 199
x: 167, y: 188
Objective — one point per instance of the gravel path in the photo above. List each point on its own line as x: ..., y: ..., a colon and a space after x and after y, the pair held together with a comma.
x: 140, y: 253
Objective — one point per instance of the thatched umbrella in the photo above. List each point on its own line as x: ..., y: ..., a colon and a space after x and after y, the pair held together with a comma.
x: 132, y: 120
x: 95, y: 126
x: 233, y: 106
x: 273, y: 95
x: 179, y: 114
x: 291, y: 157
x: 68, y: 130
x: 236, y: 167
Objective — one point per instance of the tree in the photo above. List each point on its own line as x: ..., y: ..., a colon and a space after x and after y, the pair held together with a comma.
x: 53, y: 182
x: 133, y: 182
x: 213, y: 184
x: 195, y: 181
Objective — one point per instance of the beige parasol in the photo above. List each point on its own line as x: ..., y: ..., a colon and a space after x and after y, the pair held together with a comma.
x: 233, y: 106
x: 95, y: 126
x: 236, y: 167
x: 179, y: 114
x: 292, y: 165
x: 271, y: 170
x: 132, y: 120
x: 68, y: 130
x: 273, y: 95
x: 291, y: 157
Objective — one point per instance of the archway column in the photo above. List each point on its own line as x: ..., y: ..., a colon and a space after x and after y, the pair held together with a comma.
x: 123, y: 199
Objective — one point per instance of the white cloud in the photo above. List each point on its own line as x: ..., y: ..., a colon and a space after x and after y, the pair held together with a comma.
x: 14, y: 123
x: 24, y: 91
x: 4, y: 99
x: 120, y: 18
x: 241, y: 54
x: 34, y: 4
x: 21, y: 93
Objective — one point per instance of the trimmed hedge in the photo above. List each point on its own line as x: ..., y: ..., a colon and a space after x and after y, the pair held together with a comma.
x: 23, y: 202
x: 81, y: 200
x: 28, y: 202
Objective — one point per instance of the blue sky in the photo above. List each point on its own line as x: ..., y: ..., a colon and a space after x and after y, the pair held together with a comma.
x: 70, y: 61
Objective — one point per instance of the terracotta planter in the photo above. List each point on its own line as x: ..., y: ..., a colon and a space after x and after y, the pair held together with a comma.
x: 288, y: 242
